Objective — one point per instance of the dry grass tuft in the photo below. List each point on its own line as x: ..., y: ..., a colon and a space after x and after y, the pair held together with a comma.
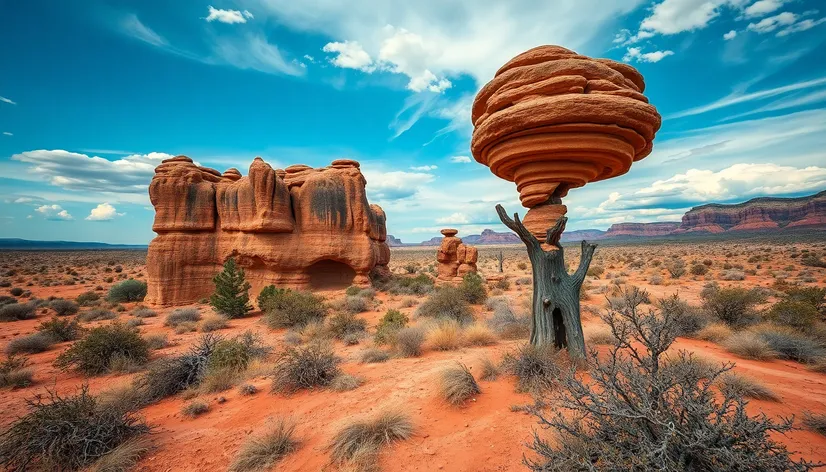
x: 714, y: 332
x: 737, y: 384
x: 264, y: 451
x: 446, y: 336
x: 479, y: 335
x: 457, y: 385
x: 123, y: 457
x: 750, y: 346
x: 373, y: 356
x: 358, y: 443
x: 195, y: 409
x: 344, y: 382
x: 599, y: 335
x: 409, y: 341
x: 815, y: 422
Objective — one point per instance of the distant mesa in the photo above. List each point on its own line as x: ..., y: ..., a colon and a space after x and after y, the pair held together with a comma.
x: 298, y: 227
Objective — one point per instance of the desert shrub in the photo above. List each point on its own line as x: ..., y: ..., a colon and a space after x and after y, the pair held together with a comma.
x: 16, y: 291
x: 502, y: 284
x: 521, y: 266
x: 536, y: 368
x: 231, y: 297
x: 812, y: 260
x: 171, y: 375
x: 63, y: 307
x: 813, y: 296
x: 699, y: 269
x: 479, y: 335
x: 488, y: 369
x: 214, y: 323
x: 127, y: 291
x: 356, y: 304
x: 247, y: 389
x: 595, y: 271
x: 65, y: 433
x: 344, y: 382
x: 678, y: 420
x: 143, y: 312
x: 194, y: 409
x: 96, y: 314
x: 93, y: 354
x: 360, y: 441
x: 294, y: 308
x: 507, y: 325
x: 815, y: 422
x: 124, y: 457
x: 734, y: 384
x: 344, y: 324
x: 61, y: 330
x: 408, y: 341
x: 262, y: 452
x: 445, y: 336
x: 182, y: 315
x: 797, y: 314
x: 270, y: 294
x: 688, y: 319
x: 14, y: 373
x: 473, y: 289
x: 389, y: 325
x: 447, y: 302
x: 791, y: 344
x: 733, y: 306
x: 156, y: 341
x: 733, y: 275
x: 353, y: 290
x: 418, y: 285
x: 299, y: 368
x: 30, y: 344
x: 675, y: 268
x: 749, y: 345
x: 714, y: 332
x: 457, y: 385
x: 87, y: 299
x: 186, y: 327
x: 17, y: 311
x: 598, y: 335
x: 373, y: 356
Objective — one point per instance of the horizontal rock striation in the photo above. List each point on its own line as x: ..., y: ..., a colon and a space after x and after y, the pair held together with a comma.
x: 298, y: 227
x: 641, y: 229
x: 765, y: 213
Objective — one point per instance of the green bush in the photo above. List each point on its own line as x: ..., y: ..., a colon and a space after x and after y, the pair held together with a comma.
x: 687, y: 319
x: 344, y: 324
x: 418, y: 285
x: 29, y: 344
x: 294, y: 308
x: 473, y: 288
x: 813, y: 296
x: 65, y: 433
x: 231, y: 297
x: 87, y: 298
x: 797, y: 314
x: 127, y: 291
x: 63, y: 307
x: 270, y: 297
x: 61, y: 330
x: 389, y: 325
x: 447, y: 302
x: 93, y: 354
x: 96, y: 314
x: 17, y: 311
x: 733, y: 306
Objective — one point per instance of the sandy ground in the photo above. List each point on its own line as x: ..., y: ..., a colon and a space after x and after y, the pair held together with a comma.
x: 484, y: 435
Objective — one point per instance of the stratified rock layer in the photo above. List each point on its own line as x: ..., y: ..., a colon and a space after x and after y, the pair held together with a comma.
x: 455, y: 258
x: 299, y: 227
x: 757, y: 214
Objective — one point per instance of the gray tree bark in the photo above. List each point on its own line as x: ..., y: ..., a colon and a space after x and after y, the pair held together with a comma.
x: 555, y: 318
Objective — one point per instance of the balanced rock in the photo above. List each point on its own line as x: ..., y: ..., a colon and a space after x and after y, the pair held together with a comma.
x: 455, y: 258
x: 299, y: 227
x: 552, y: 120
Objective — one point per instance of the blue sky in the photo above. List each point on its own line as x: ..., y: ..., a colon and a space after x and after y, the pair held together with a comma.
x: 93, y: 94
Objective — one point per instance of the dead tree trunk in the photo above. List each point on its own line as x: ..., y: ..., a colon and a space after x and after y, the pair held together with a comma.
x: 501, y: 259
x: 555, y: 318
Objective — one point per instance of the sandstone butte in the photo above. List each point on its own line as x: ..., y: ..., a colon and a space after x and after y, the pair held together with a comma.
x: 552, y: 120
x: 300, y: 227
x: 455, y: 258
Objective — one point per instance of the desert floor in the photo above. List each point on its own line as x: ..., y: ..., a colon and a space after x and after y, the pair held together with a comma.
x: 484, y: 435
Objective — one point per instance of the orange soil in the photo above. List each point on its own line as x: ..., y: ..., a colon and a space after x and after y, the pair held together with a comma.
x: 485, y: 435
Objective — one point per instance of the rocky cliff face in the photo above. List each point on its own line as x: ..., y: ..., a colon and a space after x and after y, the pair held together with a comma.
x: 757, y: 214
x: 296, y: 227
x: 619, y: 230
x: 393, y: 241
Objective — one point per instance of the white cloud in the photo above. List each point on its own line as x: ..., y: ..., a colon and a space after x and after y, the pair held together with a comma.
x: 254, y: 52
x: 132, y: 26
x: 801, y: 25
x: 767, y: 25
x: 739, y: 98
x: 460, y: 159
x: 636, y: 54
x: 24, y: 200
x: 455, y: 218
x: 103, y: 212
x: 384, y: 186
x: 424, y: 168
x: 54, y: 212
x: 677, y: 16
x: 6, y: 133
x: 228, y: 16
x: 309, y: 58
x: 75, y: 171
x: 7, y: 100
x: 730, y: 35
x: 762, y: 8
x: 350, y: 55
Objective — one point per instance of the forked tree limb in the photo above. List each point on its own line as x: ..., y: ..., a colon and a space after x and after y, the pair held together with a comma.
x: 584, y: 261
x: 517, y: 227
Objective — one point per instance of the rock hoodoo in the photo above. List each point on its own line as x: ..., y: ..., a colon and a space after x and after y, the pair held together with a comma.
x: 552, y: 120
x: 298, y: 227
x: 455, y: 258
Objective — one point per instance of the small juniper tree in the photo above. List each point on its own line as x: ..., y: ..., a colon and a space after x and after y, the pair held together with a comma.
x: 231, y: 297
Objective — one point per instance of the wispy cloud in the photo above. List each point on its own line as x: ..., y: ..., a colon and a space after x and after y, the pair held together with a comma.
x: 7, y: 100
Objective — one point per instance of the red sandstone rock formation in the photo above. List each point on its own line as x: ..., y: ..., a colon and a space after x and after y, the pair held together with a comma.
x: 296, y: 227
x: 758, y: 214
x: 552, y: 120
x: 455, y: 258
